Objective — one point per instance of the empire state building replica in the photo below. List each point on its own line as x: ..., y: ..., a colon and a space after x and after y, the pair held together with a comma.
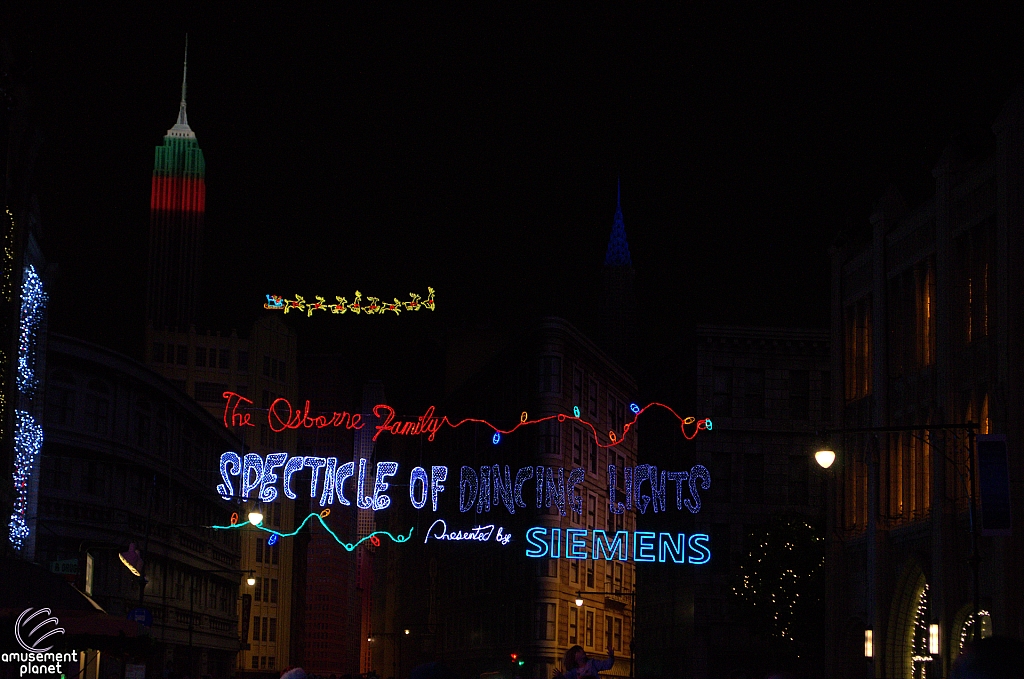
x: 177, y: 206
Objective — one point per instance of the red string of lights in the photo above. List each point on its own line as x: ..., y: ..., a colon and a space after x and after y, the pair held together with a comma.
x: 281, y: 416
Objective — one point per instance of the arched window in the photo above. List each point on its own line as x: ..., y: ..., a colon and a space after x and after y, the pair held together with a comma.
x: 60, y: 399
x: 97, y: 407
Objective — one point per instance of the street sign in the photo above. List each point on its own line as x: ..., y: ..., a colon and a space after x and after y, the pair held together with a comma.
x: 64, y: 567
x: 142, y: 616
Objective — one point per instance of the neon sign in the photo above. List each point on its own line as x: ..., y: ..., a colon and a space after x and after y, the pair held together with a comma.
x: 439, y: 531
x: 480, y: 488
x: 372, y: 306
x: 349, y: 546
x: 646, y: 545
x: 238, y: 412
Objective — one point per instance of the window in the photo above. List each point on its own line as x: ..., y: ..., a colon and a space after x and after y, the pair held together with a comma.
x: 266, y: 630
x: 574, y: 615
x: 201, y: 357
x: 544, y: 622
x: 243, y: 361
x: 266, y: 366
x: 96, y: 479
x: 574, y: 571
x: 721, y: 472
x: 263, y: 659
x: 210, y: 392
x: 97, y: 407
x: 592, y: 399
x: 618, y: 576
x: 273, y: 629
x: 60, y: 404
x: 799, y: 395
x: 753, y: 400
x: 589, y: 628
x: 608, y: 631
x: 275, y: 552
x: 857, y: 349
x: 548, y: 434
x: 266, y: 590
x: 547, y: 568
x: 263, y: 434
x: 617, y: 638
x: 258, y: 594
x: 753, y: 478
x: 273, y: 592
x: 590, y: 572
x: 225, y: 358
x: 280, y: 371
x: 256, y: 627
x: 259, y: 554
x: 157, y: 356
x: 549, y: 375
x: 721, y: 404
x: 798, y: 479
x: 271, y: 662
x: 591, y: 511
x: 277, y: 514
x: 577, y: 446
x: 182, y: 355
x: 577, y: 387
x: 924, y: 316
x: 593, y: 455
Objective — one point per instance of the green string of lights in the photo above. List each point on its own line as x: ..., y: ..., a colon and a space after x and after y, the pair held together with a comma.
x: 372, y: 537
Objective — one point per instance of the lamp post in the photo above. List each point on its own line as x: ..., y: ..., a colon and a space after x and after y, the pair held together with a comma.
x: 826, y: 456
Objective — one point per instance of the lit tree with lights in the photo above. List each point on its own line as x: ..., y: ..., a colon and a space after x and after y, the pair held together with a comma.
x: 780, y: 589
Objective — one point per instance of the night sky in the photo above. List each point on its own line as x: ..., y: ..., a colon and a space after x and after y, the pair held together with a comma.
x: 477, y: 149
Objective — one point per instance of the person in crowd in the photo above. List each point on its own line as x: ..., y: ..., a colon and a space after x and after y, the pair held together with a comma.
x: 576, y: 664
x: 293, y: 673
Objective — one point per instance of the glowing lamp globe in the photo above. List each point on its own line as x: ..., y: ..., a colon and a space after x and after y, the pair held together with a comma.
x: 250, y: 581
x: 825, y: 458
x: 255, y: 517
x: 132, y: 559
x: 579, y: 599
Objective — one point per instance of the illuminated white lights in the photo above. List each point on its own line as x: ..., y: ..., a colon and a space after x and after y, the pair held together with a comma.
x: 869, y: 647
x: 933, y: 639
x: 255, y: 517
x: 28, y: 441
x: 132, y: 559
x: 250, y: 581
x: 579, y: 599
x: 825, y: 458
x: 33, y: 304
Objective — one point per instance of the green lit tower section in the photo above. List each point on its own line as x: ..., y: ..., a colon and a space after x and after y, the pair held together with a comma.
x: 177, y: 208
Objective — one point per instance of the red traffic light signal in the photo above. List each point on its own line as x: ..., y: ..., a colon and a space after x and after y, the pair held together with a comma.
x: 515, y: 656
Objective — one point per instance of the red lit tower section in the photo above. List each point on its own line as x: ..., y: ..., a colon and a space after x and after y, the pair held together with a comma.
x: 177, y: 207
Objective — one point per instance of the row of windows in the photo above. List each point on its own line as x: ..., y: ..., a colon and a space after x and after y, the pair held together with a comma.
x: 202, y: 356
x: 267, y: 631
x: 263, y: 662
x: 273, y: 368
x: 753, y: 478
x: 583, y: 571
x: 581, y: 625
x: 748, y: 399
x: 267, y: 589
x: 584, y: 392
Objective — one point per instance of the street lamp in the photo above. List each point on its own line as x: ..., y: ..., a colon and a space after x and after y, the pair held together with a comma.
x: 255, y: 516
x: 251, y: 581
x: 132, y: 559
x: 579, y: 598
x: 825, y: 458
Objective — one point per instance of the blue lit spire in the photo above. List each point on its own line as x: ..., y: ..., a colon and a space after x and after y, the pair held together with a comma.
x: 618, y: 247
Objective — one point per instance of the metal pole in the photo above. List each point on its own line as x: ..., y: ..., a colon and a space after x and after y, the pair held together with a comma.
x: 975, y: 556
x: 191, y: 606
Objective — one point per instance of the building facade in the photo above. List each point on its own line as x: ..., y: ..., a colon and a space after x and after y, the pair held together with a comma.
x: 129, y: 459
x: 205, y: 365
x: 925, y: 316
x: 177, y: 209
x: 475, y: 610
x: 767, y: 391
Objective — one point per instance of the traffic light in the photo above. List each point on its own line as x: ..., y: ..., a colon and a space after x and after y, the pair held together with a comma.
x: 515, y: 659
x: 515, y: 656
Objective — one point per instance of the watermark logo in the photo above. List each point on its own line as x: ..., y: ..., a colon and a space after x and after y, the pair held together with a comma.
x: 41, y: 629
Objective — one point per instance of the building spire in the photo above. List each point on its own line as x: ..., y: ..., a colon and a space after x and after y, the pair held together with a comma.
x: 618, y: 246
x: 181, y: 128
